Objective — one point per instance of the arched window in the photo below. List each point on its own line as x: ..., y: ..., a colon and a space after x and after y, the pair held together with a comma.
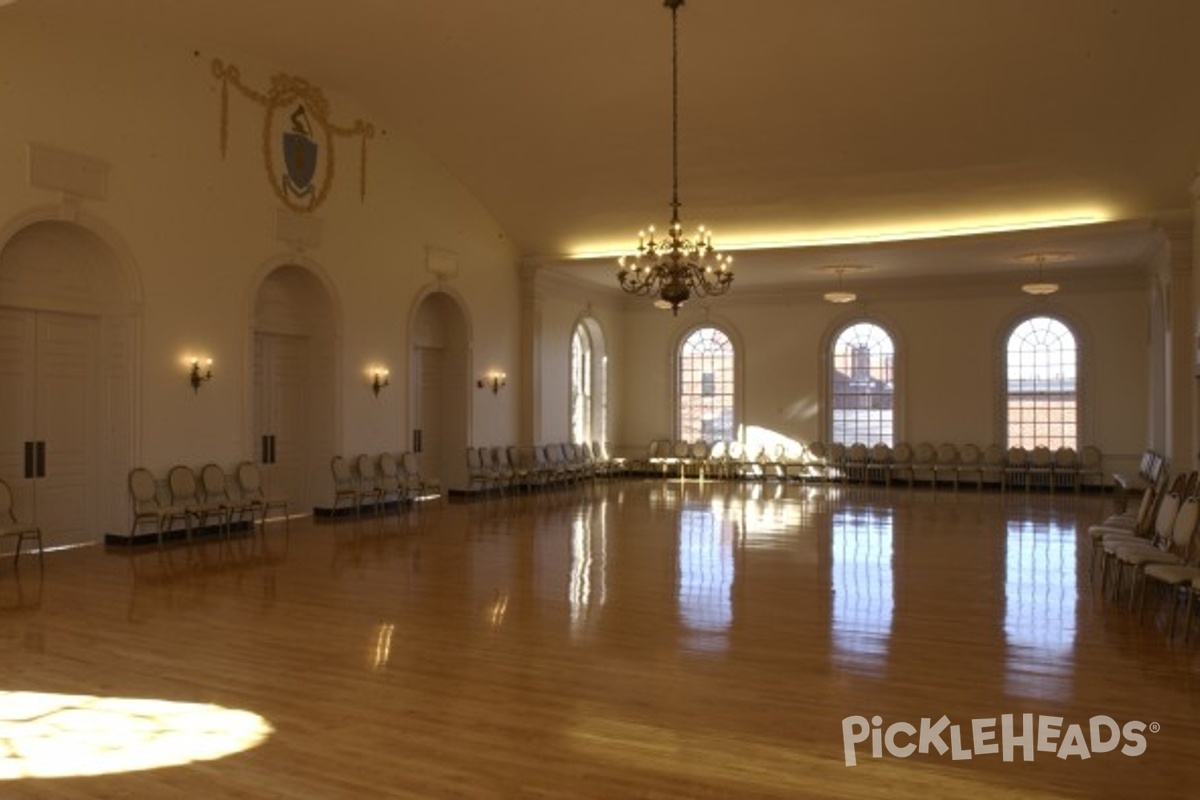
x: 706, y: 387
x: 1041, y: 401
x: 863, y: 386
x: 588, y: 384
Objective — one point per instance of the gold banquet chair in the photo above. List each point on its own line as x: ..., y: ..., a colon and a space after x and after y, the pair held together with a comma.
x: 11, y: 529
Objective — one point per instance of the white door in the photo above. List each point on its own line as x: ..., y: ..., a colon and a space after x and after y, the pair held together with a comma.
x: 427, y: 410
x: 50, y: 421
x: 282, y: 414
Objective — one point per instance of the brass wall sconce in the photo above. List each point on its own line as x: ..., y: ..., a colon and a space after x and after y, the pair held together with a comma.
x: 494, y: 380
x: 379, y: 378
x: 196, y: 375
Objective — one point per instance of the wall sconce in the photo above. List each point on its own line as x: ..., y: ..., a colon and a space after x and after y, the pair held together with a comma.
x: 196, y: 376
x: 493, y: 379
x: 379, y: 378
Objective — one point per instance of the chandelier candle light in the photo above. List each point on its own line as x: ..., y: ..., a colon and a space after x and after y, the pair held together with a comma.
x: 675, y: 267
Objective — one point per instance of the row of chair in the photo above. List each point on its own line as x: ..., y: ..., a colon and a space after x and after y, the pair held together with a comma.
x: 211, y: 501
x: 1155, y: 549
x: 947, y: 463
x: 375, y: 481
x: 504, y: 467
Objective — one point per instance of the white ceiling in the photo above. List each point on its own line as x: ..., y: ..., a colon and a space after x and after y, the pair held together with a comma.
x: 798, y: 118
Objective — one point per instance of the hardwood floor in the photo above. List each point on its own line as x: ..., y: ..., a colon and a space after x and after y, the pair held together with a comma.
x: 628, y: 639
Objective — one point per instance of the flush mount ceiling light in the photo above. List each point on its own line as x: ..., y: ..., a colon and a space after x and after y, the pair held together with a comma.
x: 1040, y: 286
x: 676, y: 267
x: 840, y: 295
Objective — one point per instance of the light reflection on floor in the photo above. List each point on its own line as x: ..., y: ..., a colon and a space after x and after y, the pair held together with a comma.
x: 1039, y: 608
x: 46, y: 735
x: 863, y: 595
x: 705, y: 577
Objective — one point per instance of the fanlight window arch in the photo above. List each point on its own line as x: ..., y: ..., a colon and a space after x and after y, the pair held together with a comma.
x: 1041, y: 385
x: 863, y: 386
x: 706, y: 386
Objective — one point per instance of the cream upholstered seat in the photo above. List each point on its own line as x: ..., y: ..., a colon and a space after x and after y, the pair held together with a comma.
x: 855, y: 465
x: 215, y: 485
x: 1066, y: 469
x: 479, y: 475
x: 835, y: 461
x: 425, y: 485
x: 1016, y: 467
x: 185, y: 494
x: 924, y: 463
x: 148, y: 508
x: 970, y: 466
x: 945, y: 465
x: 992, y: 466
x: 815, y: 460
x: 879, y: 463
x: 1039, y: 469
x: 902, y: 463
x: 250, y: 483
x: 10, y: 528
x: 346, y: 488
x: 1134, y: 558
x: 1110, y: 543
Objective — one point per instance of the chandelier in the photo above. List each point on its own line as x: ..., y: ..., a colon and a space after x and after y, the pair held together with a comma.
x: 675, y: 267
x: 1041, y: 286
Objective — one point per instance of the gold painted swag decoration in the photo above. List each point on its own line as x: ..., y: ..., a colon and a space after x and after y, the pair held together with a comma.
x: 297, y: 138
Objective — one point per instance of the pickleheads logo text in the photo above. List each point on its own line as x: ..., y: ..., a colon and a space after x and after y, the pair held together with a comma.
x: 1027, y: 734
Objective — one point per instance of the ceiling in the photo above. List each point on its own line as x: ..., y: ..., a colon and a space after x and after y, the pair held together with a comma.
x: 801, y: 121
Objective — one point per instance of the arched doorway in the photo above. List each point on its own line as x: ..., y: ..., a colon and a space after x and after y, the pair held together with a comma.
x: 294, y: 361
x: 67, y: 402
x: 440, y: 378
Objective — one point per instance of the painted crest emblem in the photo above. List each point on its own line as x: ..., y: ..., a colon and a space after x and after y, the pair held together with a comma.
x: 299, y: 155
x: 297, y: 137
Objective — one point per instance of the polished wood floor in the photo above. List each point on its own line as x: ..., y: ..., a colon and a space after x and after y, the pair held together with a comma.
x: 620, y: 640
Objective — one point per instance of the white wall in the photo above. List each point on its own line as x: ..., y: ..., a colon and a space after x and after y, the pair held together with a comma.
x: 200, y: 234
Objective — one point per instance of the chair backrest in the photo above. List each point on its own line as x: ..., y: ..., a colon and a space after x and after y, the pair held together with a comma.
x: 6, y: 504
x: 212, y: 480
x: 969, y: 455
x: 143, y: 489
x: 249, y: 481
x: 700, y: 449
x: 366, y: 469
x: 836, y: 452
x: 947, y: 453
x: 1184, y: 527
x: 1017, y: 456
x: 408, y: 462
x: 994, y: 456
x: 719, y: 450
x: 341, y: 471
x: 1066, y: 458
x: 881, y: 453
x: 1164, y: 521
x: 924, y: 453
x: 182, y: 483
x: 387, y: 466
x: 1041, y: 456
x: 857, y: 453
x: 817, y: 450
x: 1090, y: 458
x: 902, y: 453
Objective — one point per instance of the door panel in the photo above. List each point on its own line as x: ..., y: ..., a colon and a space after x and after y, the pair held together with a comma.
x: 282, y: 380
x: 66, y: 420
x: 48, y: 394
